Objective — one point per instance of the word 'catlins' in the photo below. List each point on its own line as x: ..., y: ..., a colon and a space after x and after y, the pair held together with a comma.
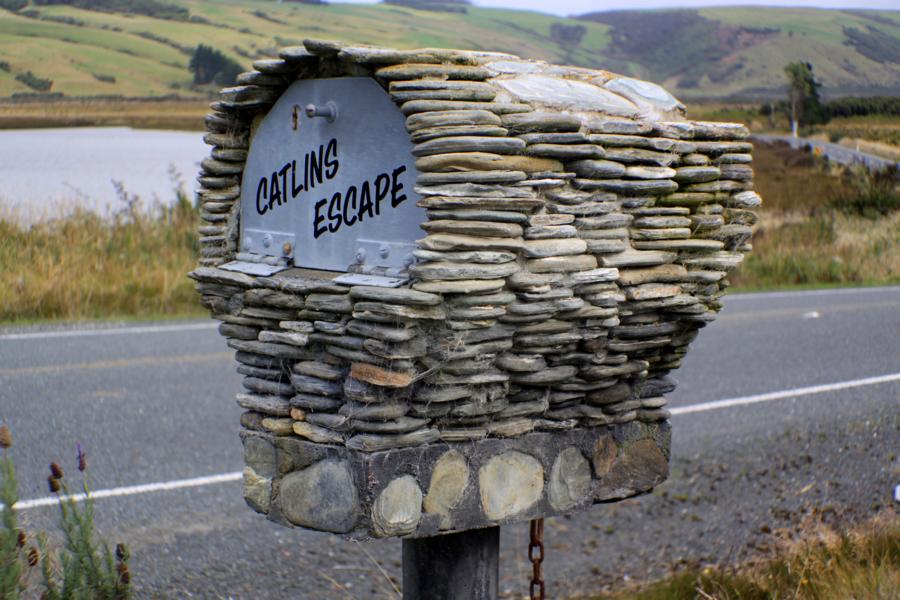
x: 343, y: 208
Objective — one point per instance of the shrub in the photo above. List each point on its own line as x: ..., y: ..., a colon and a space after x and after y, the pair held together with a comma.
x: 104, y: 78
x: 873, y: 195
x: 84, y: 567
x: 36, y: 83
x: 13, y: 4
x: 209, y: 65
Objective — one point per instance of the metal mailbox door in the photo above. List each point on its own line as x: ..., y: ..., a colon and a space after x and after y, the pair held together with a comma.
x: 330, y: 179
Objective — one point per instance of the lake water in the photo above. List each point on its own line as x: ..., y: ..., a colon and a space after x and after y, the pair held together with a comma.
x: 43, y: 171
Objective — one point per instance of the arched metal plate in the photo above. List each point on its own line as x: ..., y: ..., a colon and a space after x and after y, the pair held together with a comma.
x: 330, y: 193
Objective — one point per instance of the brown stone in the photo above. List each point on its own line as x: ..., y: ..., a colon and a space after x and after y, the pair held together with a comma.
x: 605, y: 451
x: 485, y: 161
x: 380, y: 377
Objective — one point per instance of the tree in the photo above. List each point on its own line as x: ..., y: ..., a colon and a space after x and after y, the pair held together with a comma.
x: 210, y: 65
x: 803, y: 96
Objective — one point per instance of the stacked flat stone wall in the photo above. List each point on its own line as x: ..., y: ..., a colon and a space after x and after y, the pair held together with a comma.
x: 579, y: 234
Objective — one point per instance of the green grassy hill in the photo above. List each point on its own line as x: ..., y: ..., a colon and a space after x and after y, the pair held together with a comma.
x: 710, y: 53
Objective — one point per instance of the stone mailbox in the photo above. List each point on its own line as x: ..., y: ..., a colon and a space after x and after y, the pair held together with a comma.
x: 456, y: 282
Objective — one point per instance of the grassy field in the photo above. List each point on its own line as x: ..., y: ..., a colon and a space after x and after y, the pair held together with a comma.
x: 186, y: 115
x: 742, y: 51
x: 822, y: 564
x: 811, y: 232
x: 817, y: 228
x: 82, y: 266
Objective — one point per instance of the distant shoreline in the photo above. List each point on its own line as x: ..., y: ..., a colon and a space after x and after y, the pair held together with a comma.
x: 179, y: 114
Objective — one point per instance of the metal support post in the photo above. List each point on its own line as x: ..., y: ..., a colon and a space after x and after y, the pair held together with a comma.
x: 456, y: 566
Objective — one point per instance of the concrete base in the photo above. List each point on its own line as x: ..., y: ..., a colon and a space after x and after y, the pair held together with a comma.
x: 439, y: 488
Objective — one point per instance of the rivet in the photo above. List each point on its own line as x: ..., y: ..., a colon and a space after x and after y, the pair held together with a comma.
x: 286, y: 248
x: 360, y: 255
x: 384, y: 251
x: 267, y: 240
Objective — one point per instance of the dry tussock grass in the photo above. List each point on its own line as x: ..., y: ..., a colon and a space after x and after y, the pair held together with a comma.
x: 804, y: 238
x: 821, y: 563
x: 85, y: 266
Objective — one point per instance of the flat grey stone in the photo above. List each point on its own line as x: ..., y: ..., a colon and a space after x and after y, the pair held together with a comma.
x: 563, y: 93
x: 510, y: 484
x: 476, y: 228
x: 484, y: 177
x: 429, y: 133
x: 449, y: 481
x: 370, y: 442
x: 394, y: 295
x: 449, y: 271
x: 275, y: 406
x: 478, y: 215
x: 436, y: 71
x: 545, y: 232
x: 397, y: 510
x: 490, y: 144
x: 385, y: 410
x: 306, y: 384
x: 565, y: 151
x: 264, y: 386
x: 541, y: 122
x: 257, y: 490
x: 452, y: 118
x: 696, y: 174
x: 466, y: 256
x: 382, y: 332
x: 641, y: 156
x: 570, y: 479
x: 315, y: 402
x: 500, y: 108
x: 317, y: 433
x: 629, y: 187
x: 553, y: 247
x: 322, y: 496
x: 644, y: 172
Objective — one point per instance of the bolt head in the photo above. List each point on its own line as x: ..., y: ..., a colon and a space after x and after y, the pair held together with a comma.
x: 286, y: 248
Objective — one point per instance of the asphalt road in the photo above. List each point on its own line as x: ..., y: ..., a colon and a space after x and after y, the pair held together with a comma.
x: 835, y: 152
x: 152, y: 404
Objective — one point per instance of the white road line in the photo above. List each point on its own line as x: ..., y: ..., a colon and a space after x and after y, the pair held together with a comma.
x: 132, y: 490
x: 801, y: 293
x: 681, y: 410
x: 36, y: 335
x: 806, y: 391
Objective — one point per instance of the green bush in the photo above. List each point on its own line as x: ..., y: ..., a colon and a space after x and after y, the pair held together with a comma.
x: 211, y: 66
x: 13, y: 4
x: 874, y: 194
x: 84, y: 568
x: 39, y: 84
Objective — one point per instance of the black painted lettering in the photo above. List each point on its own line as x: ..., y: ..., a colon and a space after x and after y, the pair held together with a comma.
x: 306, y: 172
x: 315, y: 167
x: 262, y: 193
x: 350, y: 197
x: 331, y: 159
x: 274, y: 190
x: 295, y: 189
x: 334, y: 213
x: 397, y: 187
x: 318, y: 218
x: 284, y: 187
x: 382, y: 185
x: 365, y: 201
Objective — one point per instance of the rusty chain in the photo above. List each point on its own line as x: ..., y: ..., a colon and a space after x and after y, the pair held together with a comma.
x: 537, y: 544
